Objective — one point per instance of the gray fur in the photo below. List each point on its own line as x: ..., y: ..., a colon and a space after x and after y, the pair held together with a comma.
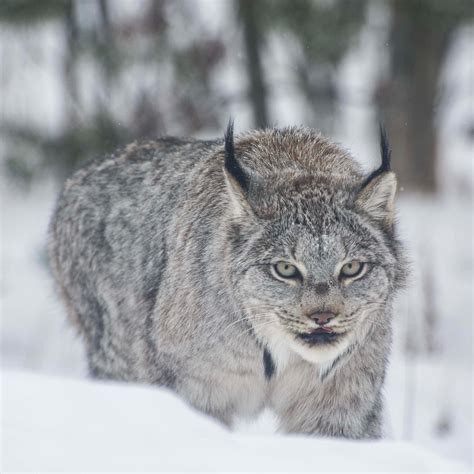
x: 163, y: 261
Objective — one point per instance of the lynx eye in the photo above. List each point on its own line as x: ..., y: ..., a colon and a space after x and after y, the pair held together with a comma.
x: 286, y: 270
x: 352, y: 269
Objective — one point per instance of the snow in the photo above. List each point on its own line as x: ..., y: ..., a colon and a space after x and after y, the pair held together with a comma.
x: 60, y: 424
x: 34, y: 331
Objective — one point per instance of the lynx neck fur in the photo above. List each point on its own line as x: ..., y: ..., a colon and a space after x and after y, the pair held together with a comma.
x: 246, y: 273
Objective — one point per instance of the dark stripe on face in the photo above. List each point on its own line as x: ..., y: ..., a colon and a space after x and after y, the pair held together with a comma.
x: 268, y: 364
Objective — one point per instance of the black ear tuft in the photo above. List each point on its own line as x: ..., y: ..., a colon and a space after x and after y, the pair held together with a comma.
x: 385, y: 153
x: 230, y: 163
x: 229, y: 141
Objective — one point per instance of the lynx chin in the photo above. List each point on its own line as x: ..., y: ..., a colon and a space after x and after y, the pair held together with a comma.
x: 240, y: 273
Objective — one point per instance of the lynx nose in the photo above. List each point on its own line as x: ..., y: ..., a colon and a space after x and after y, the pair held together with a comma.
x: 320, y: 317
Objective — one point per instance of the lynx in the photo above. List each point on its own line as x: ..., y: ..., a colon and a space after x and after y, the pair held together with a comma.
x: 249, y: 273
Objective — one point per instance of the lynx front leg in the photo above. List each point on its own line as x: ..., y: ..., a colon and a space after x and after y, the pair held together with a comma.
x: 225, y: 396
x: 346, y: 403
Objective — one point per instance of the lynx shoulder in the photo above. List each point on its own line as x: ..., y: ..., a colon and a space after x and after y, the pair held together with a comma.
x: 240, y: 273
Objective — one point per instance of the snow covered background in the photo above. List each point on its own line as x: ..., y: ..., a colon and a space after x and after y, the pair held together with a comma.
x: 429, y: 389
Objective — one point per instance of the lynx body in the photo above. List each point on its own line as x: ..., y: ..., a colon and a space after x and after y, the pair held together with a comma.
x: 247, y: 274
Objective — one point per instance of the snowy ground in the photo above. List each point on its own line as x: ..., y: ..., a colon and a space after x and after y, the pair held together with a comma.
x: 58, y: 424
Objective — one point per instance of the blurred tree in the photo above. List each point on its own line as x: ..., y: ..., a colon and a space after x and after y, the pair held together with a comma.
x: 421, y: 34
x: 26, y: 11
x: 323, y: 31
x: 156, y: 71
x: 71, y: 28
x: 250, y: 15
x: 79, y: 138
x: 109, y: 50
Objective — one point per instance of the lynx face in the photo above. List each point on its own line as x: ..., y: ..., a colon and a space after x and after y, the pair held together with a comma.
x: 316, y: 286
x: 319, y: 261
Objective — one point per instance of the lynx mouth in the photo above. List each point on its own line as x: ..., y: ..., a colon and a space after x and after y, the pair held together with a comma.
x: 319, y: 336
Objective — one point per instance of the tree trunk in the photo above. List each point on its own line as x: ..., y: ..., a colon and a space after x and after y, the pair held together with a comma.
x: 69, y: 66
x: 106, y: 56
x: 409, y: 99
x: 248, y: 11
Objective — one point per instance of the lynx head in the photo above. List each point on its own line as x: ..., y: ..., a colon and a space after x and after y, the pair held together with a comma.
x: 314, y: 259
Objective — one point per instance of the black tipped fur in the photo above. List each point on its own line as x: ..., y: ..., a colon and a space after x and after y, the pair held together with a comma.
x: 385, y: 153
x: 268, y: 364
x: 230, y: 163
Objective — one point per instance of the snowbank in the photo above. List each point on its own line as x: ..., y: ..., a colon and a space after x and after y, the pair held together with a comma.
x: 51, y: 423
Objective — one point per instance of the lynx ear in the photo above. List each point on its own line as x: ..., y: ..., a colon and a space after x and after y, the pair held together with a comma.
x: 377, y: 194
x: 377, y: 198
x: 237, y: 179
